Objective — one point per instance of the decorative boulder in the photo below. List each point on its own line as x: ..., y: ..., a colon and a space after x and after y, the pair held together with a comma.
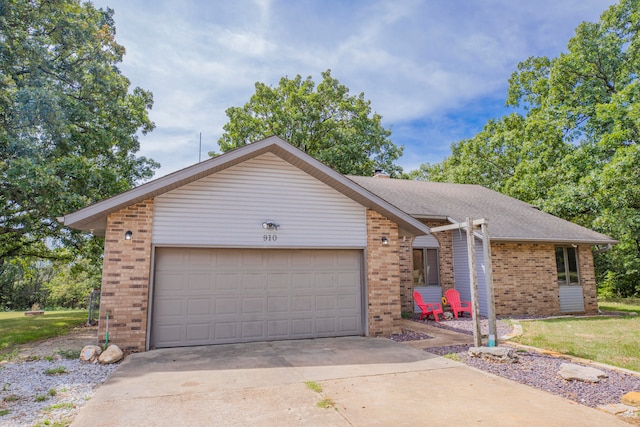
x: 90, y: 353
x: 494, y: 354
x: 112, y: 354
x: 570, y: 372
x: 448, y: 315
x: 632, y: 399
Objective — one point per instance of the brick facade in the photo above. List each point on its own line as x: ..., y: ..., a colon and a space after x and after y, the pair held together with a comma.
x: 125, y: 277
x: 525, y: 279
x: 383, y: 275
x: 406, y: 273
x: 587, y: 279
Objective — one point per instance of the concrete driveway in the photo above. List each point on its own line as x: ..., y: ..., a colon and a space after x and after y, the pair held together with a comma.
x: 371, y: 382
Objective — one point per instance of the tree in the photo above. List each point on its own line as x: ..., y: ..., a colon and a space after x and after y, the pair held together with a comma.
x: 68, y: 122
x: 575, y: 152
x: 328, y: 124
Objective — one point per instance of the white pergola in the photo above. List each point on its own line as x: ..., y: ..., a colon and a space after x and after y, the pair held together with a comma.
x: 469, y: 226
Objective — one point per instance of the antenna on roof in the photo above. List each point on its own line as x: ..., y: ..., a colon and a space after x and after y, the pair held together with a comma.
x: 200, y: 149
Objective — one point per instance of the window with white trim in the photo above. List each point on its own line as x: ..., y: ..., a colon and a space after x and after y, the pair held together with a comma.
x: 426, y: 267
x: 567, y: 265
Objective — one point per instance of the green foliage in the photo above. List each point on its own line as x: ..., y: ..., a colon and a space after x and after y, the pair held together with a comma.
x: 68, y: 125
x: 575, y: 152
x: 326, y: 122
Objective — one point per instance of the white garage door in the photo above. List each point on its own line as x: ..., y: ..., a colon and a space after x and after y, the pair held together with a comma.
x: 215, y: 296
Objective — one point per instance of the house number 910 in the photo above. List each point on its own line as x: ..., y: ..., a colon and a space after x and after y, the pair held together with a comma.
x: 269, y: 237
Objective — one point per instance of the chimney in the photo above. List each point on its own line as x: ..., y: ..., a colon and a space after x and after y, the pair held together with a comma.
x: 379, y: 173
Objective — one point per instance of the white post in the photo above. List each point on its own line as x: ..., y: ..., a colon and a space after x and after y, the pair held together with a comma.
x: 488, y: 274
x: 473, y: 277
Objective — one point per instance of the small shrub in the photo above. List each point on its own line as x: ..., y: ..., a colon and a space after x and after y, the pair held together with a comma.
x: 40, y: 398
x: 52, y: 392
x: 56, y: 371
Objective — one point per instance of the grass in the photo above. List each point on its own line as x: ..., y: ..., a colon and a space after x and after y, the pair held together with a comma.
x: 63, y: 405
x: 314, y: 386
x: 624, y: 305
x: 16, y: 328
x: 58, y: 370
x: 4, y: 412
x: 611, y: 340
x: 326, y: 403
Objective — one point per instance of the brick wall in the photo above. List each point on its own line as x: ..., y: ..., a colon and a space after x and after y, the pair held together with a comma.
x: 587, y: 279
x: 125, y: 277
x: 406, y: 273
x: 383, y: 275
x: 525, y: 279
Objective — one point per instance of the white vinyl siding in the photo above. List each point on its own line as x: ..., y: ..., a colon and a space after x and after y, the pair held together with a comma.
x: 461, y: 270
x: 227, y: 209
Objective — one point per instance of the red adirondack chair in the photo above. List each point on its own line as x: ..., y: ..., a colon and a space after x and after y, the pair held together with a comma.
x: 457, y: 306
x: 428, y: 308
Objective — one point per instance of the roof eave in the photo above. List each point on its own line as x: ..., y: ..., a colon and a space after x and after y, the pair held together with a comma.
x: 554, y: 240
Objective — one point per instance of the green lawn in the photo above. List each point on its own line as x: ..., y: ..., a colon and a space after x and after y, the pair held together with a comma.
x: 16, y: 328
x: 611, y: 340
x: 627, y: 305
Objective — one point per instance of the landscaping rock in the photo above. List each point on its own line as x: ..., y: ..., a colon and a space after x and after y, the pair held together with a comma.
x: 90, y: 353
x: 632, y: 399
x: 494, y: 354
x: 570, y: 372
x: 448, y: 315
x: 112, y: 354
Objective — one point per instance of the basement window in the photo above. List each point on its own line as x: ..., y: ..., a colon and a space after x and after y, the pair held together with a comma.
x: 425, y: 267
x: 567, y: 265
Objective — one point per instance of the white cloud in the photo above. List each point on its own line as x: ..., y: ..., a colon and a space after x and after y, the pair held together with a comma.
x: 418, y: 61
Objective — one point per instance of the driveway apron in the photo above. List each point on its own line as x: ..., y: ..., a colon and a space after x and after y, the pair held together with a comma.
x: 362, y: 382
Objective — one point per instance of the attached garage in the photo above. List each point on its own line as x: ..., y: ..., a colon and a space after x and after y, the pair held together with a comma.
x: 260, y: 243
x: 215, y: 296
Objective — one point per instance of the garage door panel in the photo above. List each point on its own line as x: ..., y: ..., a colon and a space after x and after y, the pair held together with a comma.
x: 199, y: 282
x: 227, y: 282
x: 199, y: 333
x: 253, y: 331
x: 253, y: 282
x: 199, y: 307
x: 171, y: 282
x: 226, y: 332
x: 226, y: 306
x: 278, y: 305
x: 278, y: 281
x: 210, y: 296
x: 278, y: 329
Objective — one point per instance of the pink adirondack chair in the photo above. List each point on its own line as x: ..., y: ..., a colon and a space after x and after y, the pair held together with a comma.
x: 457, y: 306
x: 428, y: 308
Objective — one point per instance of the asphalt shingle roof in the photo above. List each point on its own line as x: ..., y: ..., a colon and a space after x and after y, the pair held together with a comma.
x: 509, y: 219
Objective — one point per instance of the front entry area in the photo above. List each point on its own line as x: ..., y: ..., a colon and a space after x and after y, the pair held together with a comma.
x: 216, y: 296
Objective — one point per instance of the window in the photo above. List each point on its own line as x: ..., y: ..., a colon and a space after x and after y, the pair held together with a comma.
x: 425, y: 267
x: 567, y: 265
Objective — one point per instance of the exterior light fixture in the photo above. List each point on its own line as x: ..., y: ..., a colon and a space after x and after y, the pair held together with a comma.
x: 128, y: 235
x: 385, y: 241
x: 270, y: 225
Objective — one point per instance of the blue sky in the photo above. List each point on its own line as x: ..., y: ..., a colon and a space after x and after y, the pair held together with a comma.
x: 436, y: 70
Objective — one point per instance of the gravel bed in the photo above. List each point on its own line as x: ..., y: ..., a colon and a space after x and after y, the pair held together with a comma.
x: 33, y: 397
x: 409, y: 335
x: 541, y: 371
x: 465, y: 325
